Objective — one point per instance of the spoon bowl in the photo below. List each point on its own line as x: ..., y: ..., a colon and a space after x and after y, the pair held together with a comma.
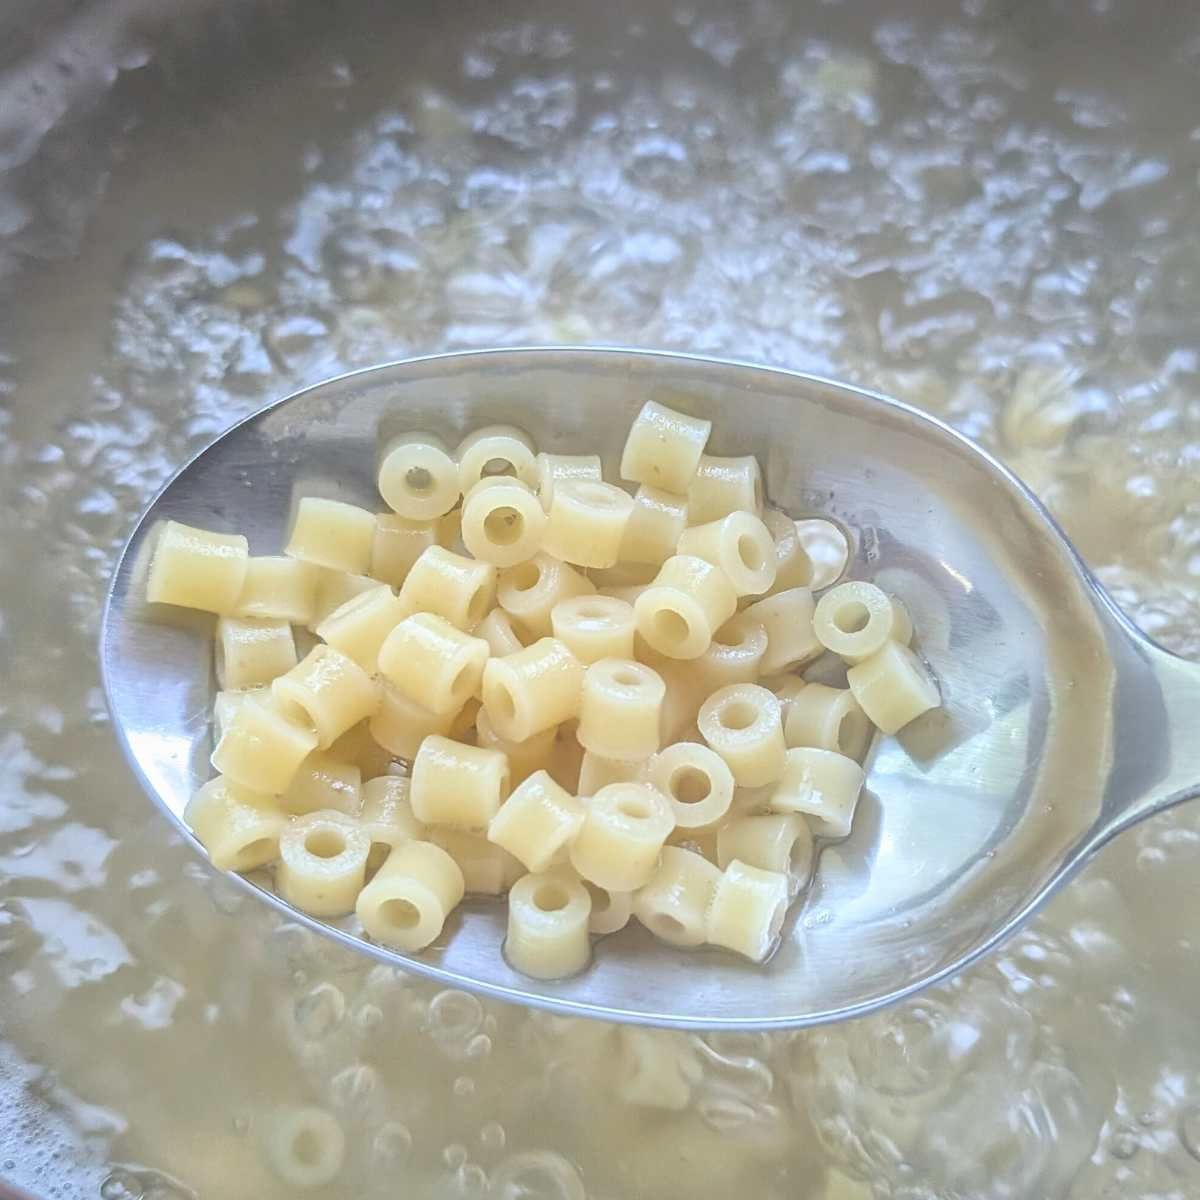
x: 1061, y: 724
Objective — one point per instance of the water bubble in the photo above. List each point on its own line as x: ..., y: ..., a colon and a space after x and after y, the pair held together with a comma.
x: 1189, y: 1130
x: 454, y: 1155
x: 320, y: 1011
x: 536, y: 1175
x: 464, y: 1085
x: 121, y: 1185
x: 470, y: 1181
x: 492, y: 1136
x: 392, y: 1143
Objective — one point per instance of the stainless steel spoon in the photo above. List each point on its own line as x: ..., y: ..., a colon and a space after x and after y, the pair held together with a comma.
x: 1062, y: 725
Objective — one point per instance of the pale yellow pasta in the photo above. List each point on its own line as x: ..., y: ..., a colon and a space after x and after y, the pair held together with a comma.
x: 553, y: 468
x: 664, y: 447
x: 406, y: 904
x: 452, y: 586
x: 329, y: 690
x: 462, y: 728
x: 682, y: 700
x: 387, y: 816
x: 487, y: 869
x: 261, y: 749
x: 628, y: 593
x: 655, y: 524
x: 624, y: 574
x: 357, y: 746
x: 401, y: 724
x: 793, y: 567
x: 529, y: 591
x: 779, y: 842
x: 586, y: 522
x: 786, y: 688
x: 742, y: 724
x: 322, y: 863
x: 619, y: 709
x: 240, y: 829
x: 747, y: 911
x: 659, y: 1069
x: 449, y: 531
x: 696, y: 781
x: 733, y: 656
x: 332, y: 534
x: 280, y: 587
x: 893, y: 687
x: 537, y: 822
x: 432, y: 662
x: 324, y: 782
x: 828, y: 550
x: 227, y: 702
x: 788, y: 619
x: 596, y: 772
x: 524, y: 758
x: 594, y: 627
x: 502, y: 521
x: 534, y: 689
x: 610, y: 910
x: 251, y: 651
x: 856, y: 619
x: 196, y: 568
x: 824, y: 786
x: 548, y: 917
x: 358, y: 627
x: 496, y: 450
x: 497, y: 630
x: 456, y: 785
x: 673, y: 904
x: 724, y: 485
x: 828, y: 718
x: 740, y: 545
x: 623, y: 832
x: 306, y: 1147
x: 335, y: 588
x: 397, y: 544
x: 418, y: 478
x: 687, y: 602
x: 566, y: 759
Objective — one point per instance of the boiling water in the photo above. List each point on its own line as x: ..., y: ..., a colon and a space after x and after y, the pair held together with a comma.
x: 991, y: 210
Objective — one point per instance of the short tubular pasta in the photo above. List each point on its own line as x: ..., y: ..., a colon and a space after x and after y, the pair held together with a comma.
x: 655, y: 524
x: 696, y: 782
x: 418, y: 478
x: 534, y: 689
x: 548, y: 915
x: 496, y: 450
x: 566, y: 759
x: 788, y: 619
x: 856, y: 619
x: 329, y: 691
x: 529, y: 591
x: 586, y: 522
x: 400, y: 725
x: 279, y: 587
x: 556, y: 468
x: 622, y: 835
x: 502, y: 521
x: 610, y: 910
x: 306, y: 1147
x: 324, y: 782
x: 747, y: 910
x: 793, y: 567
x: 456, y: 785
x: 451, y: 586
x: 689, y: 600
x: 261, y: 749
x: 828, y: 718
x: 537, y: 822
x: 497, y: 630
x: 335, y: 588
x: 673, y: 904
x: 892, y: 687
x: 488, y: 869
x: 786, y: 688
x: 322, y: 863
x: 196, y: 568
x: 240, y: 829
x: 596, y: 772
x: 524, y: 758
x: 724, y: 485
x: 432, y: 662
x: 397, y: 544
x: 619, y: 709
x: 358, y: 747
x: 332, y: 534
x: 227, y: 702
x: 462, y: 728
x: 251, y: 651
x: 780, y: 842
x: 684, y: 695
x: 387, y: 816
x: 664, y: 447
x: 740, y: 545
x: 406, y: 905
x: 828, y: 550
x: 594, y: 627
x: 358, y: 627
x: 742, y: 724
x: 733, y: 656
x: 824, y: 786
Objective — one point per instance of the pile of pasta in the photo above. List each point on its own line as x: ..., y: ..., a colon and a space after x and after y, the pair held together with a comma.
x: 584, y: 699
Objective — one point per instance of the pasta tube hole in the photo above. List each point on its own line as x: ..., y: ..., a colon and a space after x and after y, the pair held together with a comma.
x: 419, y: 480
x: 325, y: 843
x: 741, y: 714
x: 400, y: 914
x: 306, y: 1148
x: 504, y: 526
x: 671, y: 627
x: 634, y: 807
x: 627, y: 679
x: 852, y: 617
x: 751, y: 553
x: 526, y: 576
x: 499, y: 466
x: 690, y: 785
x: 551, y: 897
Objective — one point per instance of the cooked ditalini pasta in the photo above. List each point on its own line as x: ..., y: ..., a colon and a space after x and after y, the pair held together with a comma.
x: 401, y: 724
x: 733, y: 656
x: 332, y: 534
x: 821, y: 784
x: 828, y: 550
x: 537, y: 822
x: 610, y: 910
x: 655, y: 525
x: 496, y: 450
x: 406, y: 904
x: 788, y: 619
x: 279, y: 587
x: 324, y: 782
x: 488, y: 869
x: 240, y: 829
x: 329, y: 691
x: 596, y: 772
x: 358, y: 627
x: 586, y: 522
x: 451, y: 586
x: 335, y: 588
x: 251, y: 651
x: 397, y: 544
x: 664, y: 448
x: 793, y: 567
x: 462, y: 728
x: 740, y: 544
x: 358, y: 747
x: 725, y: 485
x: 624, y: 574
x: 502, y: 521
x: 619, y: 709
x: 696, y: 782
x: 529, y: 591
x: 449, y: 531
x: 261, y: 749
x: 892, y: 687
x: 535, y: 689
x: 566, y: 759
x: 387, y: 816
x: 594, y: 627
x: 557, y: 468
x: 856, y: 619
x: 683, y: 698
x: 306, y: 1147
x: 623, y: 832
x: 673, y: 904
x: 498, y: 631
x: 687, y: 602
x: 418, y: 479
x: 456, y: 785
x: 196, y: 568
x: 742, y: 724
x: 548, y: 917
x: 786, y: 688
x: 828, y: 718
x: 524, y: 758
x: 432, y: 662
x: 227, y: 702
x: 747, y: 910
x: 779, y: 842
x: 629, y: 594
x: 322, y: 863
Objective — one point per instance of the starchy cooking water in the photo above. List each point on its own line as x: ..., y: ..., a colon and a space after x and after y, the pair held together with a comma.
x: 990, y: 209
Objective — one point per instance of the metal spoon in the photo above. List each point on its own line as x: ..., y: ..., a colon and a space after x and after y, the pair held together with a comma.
x: 1062, y: 725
